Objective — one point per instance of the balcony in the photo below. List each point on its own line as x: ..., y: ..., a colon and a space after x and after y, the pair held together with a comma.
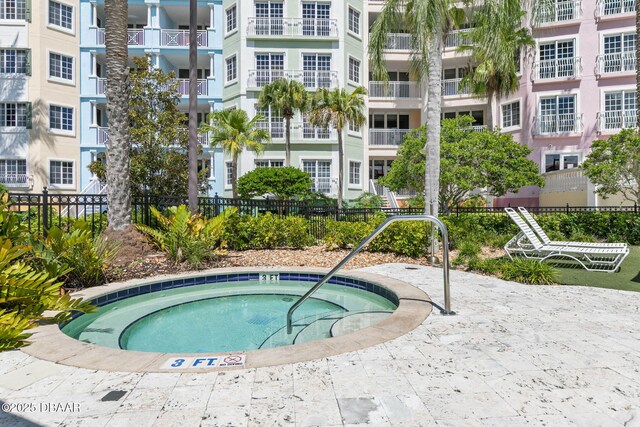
x: 564, y: 180
x: 607, y: 8
x: 398, y: 41
x: 321, y: 185
x: 201, y: 87
x: 300, y: 131
x: 457, y: 38
x: 452, y: 87
x: 611, y: 63
x: 617, y: 120
x: 180, y: 38
x: 394, y: 90
x: 103, y: 136
x: 135, y: 37
x: 312, y: 80
x: 292, y: 28
x: 101, y: 86
x: 387, y: 137
x: 560, y: 11
x: 16, y: 180
x: 556, y: 69
x: 558, y: 124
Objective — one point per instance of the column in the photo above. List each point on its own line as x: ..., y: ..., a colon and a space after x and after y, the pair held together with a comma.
x: 211, y: 164
x: 210, y: 15
x: 94, y: 113
x: 211, y: 65
x: 94, y: 14
x: 149, y: 18
x: 94, y: 64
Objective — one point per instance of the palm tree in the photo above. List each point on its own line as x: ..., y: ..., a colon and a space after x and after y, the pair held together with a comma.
x: 496, y: 43
x: 428, y: 21
x: 118, y: 89
x: 192, y: 191
x: 338, y: 108
x: 285, y: 97
x: 233, y: 130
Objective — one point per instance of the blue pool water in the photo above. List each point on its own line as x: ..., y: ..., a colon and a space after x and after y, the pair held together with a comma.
x: 231, y: 316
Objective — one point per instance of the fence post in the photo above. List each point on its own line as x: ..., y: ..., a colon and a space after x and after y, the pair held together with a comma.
x: 567, y: 208
x: 635, y: 208
x: 216, y: 208
x: 45, y: 211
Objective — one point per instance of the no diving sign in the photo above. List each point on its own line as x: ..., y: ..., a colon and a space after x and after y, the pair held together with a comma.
x: 223, y: 361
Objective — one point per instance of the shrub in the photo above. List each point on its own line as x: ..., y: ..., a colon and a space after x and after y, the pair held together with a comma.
x: 368, y: 200
x: 283, y: 183
x: 469, y: 249
x: 345, y: 235
x: 3, y: 189
x: 404, y: 238
x: 187, y: 237
x: 528, y: 271
x: 267, y: 232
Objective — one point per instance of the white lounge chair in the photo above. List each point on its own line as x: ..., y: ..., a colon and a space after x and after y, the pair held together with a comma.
x: 527, y: 244
x: 547, y: 241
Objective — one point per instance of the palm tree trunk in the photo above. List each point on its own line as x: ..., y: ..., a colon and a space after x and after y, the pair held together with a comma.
x: 118, y: 166
x: 340, y: 167
x: 193, y: 108
x: 432, y: 147
x: 287, y: 141
x: 234, y: 176
x: 490, y: 110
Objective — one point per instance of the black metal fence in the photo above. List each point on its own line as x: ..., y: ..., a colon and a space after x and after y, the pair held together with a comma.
x: 42, y: 211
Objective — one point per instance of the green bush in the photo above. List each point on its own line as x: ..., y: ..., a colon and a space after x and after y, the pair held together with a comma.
x: 187, y: 237
x: 345, y: 235
x: 284, y: 183
x: 266, y: 231
x: 368, y: 200
x: 3, y: 189
x: 528, y: 271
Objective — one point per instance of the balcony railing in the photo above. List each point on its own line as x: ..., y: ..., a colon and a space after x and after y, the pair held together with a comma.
x: 559, y: 11
x: 391, y: 137
x: 201, y: 87
x: 180, y: 38
x: 398, y: 41
x: 557, y: 68
x: 616, y: 120
x: 311, y: 79
x: 480, y: 128
x: 558, y: 124
x: 103, y: 135
x: 457, y: 38
x: 614, y: 7
x: 452, y: 87
x: 394, y: 90
x: 300, y: 131
x: 321, y: 185
x: 15, y: 179
x: 564, y: 180
x: 101, y: 86
x: 616, y: 62
x: 292, y: 27
x: 135, y: 37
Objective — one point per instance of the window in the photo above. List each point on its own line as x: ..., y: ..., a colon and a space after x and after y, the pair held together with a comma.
x: 511, y: 114
x: 619, y: 110
x: 316, y: 71
x: 619, y: 53
x: 353, y: 128
x: 354, y: 70
x: 269, y: 163
x: 320, y: 173
x: 354, y: 21
x: 451, y: 78
x: 269, y: 18
x: 269, y: 67
x: 13, y: 171
x: 13, y: 61
x: 232, y: 18
x: 232, y: 69
x: 229, y: 174
x: 316, y: 19
x: 60, y: 66
x: 273, y: 122
x: 60, y: 15
x: 15, y: 114
x: 558, y: 114
x: 13, y: 9
x: 60, y: 172
x: 557, y: 59
x: 60, y: 118
x: 557, y: 161
x: 354, y: 173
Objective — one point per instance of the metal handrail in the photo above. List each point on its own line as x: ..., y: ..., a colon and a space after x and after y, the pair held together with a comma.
x: 370, y: 237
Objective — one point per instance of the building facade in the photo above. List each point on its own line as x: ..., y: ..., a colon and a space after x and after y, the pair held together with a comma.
x: 39, y: 102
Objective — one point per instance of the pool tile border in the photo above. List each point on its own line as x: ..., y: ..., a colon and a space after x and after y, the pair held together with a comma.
x: 414, y: 306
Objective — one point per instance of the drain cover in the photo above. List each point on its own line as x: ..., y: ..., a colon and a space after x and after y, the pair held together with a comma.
x: 113, y: 396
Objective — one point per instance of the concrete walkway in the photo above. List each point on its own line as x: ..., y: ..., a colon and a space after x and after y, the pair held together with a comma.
x: 514, y: 355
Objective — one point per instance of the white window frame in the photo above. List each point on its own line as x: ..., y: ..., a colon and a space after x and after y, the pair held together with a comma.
x: 57, y: 27
x: 557, y: 93
x: 352, y: 132
x: 24, y: 19
x: 357, y: 34
x: 73, y: 120
x: 562, y: 154
x: 357, y: 83
x: 227, y: 31
x: 228, y: 180
x: 13, y: 128
x: 614, y: 89
x: 332, y: 174
x: 355, y: 185
x: 26, y: 59
x: 61, y: 80
x: 269, y: 163
x: 61, y: 186
x: 228, y: 82
x: 26, y: 169
x: 512, y: 127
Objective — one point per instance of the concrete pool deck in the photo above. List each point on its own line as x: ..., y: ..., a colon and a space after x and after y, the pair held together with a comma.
x: 514, y: 355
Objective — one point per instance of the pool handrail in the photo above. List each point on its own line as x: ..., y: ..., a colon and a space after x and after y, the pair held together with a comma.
x: 445, y: 262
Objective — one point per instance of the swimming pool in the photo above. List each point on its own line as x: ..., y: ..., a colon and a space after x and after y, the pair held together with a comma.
x: 231, y: 312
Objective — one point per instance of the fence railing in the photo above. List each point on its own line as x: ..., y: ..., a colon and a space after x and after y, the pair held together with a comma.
x: 392, y: 137
x: 180, y: 38
x: 393, y: 89
x: 201, y: 87
x: 453, y: 87
x: 558, y: 123
x: 616, y: 120
x: 398, y: 41
x: 457, y: 38
x: 614, y: 7
x: 559, y: 11
x: 292, y: 27
x: 42, y: 211
x: 311, y: 79
x: 616, y: 62
x: 557, y: 68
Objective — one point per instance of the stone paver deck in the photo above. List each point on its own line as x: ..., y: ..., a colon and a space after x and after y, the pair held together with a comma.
x: 514, y: 355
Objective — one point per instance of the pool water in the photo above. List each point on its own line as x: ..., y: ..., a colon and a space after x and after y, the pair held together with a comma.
x: 232, y: 316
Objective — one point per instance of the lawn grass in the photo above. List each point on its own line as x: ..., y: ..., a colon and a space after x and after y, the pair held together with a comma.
x: 627, y: 279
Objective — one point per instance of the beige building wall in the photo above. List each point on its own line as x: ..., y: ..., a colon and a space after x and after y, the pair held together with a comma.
x: 562, y: 198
